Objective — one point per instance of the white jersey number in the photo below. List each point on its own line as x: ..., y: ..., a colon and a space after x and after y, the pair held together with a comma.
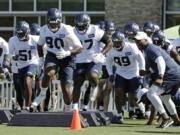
x: 122, y: 61
x: 54, y: 42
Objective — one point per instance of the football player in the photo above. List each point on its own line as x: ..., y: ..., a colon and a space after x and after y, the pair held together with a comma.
x: 4, y: 60
x: 165, y: 78
x: 62, y: 46
x: 130, y: 30
x: 158, y: 38
x: 35, y: 29
x: 176, y: 43
x: 23, y: 49
x: 148, y: 28
x: 87, y: 62
x: 104, y: 86
x: 129, y: 61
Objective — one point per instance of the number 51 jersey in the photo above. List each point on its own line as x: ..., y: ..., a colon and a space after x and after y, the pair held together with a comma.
x: 128, y: 61
x: 25, y: 50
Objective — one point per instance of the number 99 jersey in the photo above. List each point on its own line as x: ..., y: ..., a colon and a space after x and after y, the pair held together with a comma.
x: 89, y: 41
x: 128, y: 61
x: 25, y: 51
x: 63, y: 38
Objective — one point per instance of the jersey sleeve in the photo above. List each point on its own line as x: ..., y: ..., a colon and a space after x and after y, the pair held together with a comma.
x: 99, y: 33
x: 6, y: 47
x: 109, y: 63
x: 153, y: 53
x: 42, y: 39
x: 139, y: 57
x: 11, y: 47
x: 73, y: 41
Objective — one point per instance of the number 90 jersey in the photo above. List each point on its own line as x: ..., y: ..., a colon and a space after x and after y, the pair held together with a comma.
x: 89, y: 41
x: 63, y: 38
x: 25, y: 51
x: 128, y: 61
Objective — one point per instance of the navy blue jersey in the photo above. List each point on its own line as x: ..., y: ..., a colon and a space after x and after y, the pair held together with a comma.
x: 172, y: 71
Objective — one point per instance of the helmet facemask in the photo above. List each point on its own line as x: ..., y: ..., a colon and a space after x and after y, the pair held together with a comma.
x: 82, y: 27
x: 54, y: 24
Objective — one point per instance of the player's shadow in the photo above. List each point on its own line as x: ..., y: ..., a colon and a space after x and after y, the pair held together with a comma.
x: 156, y: 132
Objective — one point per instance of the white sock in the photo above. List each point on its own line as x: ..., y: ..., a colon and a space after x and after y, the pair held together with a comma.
x: 94, y: 93
x: 142, y: 107
x: 68, y: 108
x: 101, y: 108
x: 85, y: 107
x: 43, y: 91
x: 119, y: 115
x: 75, y: 106
x: 40, y: 98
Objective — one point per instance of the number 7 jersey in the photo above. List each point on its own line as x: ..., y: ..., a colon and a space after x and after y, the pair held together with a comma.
x: 90, y: 42
x: 128, y: 61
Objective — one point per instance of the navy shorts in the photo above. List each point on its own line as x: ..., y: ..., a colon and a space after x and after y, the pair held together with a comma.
x: 85, y: 68
x: 64, y: 67
x: 30, y: 70
x: 171, y: 86
x: 128, y: 85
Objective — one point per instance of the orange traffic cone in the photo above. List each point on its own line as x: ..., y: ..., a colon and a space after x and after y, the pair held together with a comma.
x: 75, y: 123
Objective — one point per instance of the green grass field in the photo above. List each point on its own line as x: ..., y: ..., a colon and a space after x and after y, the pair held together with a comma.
x: 131, y: 127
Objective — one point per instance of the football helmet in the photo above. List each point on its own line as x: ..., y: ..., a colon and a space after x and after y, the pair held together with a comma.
x: 118, y: 40
x: 131, y: 29
x: 101, y: 25
x: 148, y: 28
x: 109, y: 27
x: 54, y: 19
x: 22, y: 30
x: 82, y: 22
x: 156, y: 27
x: 35, y: 29
x: 158, y: 38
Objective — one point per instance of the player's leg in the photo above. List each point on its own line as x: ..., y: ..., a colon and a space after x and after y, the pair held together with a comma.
x: 31, y: 72
x: 49, y: 72
x: 133, y: 87
x: 86, y: 97
x: 19, y: 94
x: 22, y: 78
x: 79, y: 78
x: 93, y: 77
x: 105, y: 90
x: 120, y: 86
x: 166, y: 99
x: 50, y: 69
x: 66, y: 77
x: 154, y: 96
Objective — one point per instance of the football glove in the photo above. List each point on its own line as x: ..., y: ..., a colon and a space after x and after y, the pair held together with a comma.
x: 98, y: 58
x: 62, y: 54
